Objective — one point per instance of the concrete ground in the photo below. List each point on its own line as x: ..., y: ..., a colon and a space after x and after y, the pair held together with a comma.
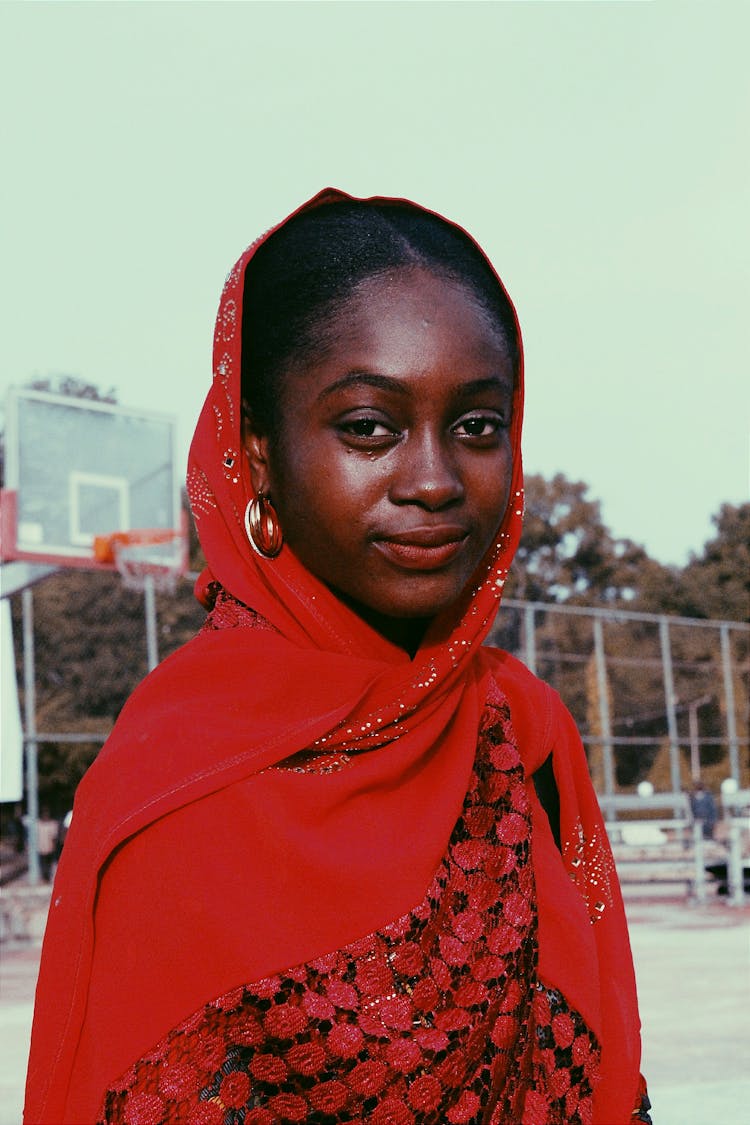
x: 693, y: 967
x: 693, y: 970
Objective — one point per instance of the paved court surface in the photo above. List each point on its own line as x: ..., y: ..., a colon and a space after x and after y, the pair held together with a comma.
x: 693, y: 969
x: 693, y: 966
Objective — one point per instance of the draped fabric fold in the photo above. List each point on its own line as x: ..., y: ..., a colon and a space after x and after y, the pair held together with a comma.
x: 194, y: 864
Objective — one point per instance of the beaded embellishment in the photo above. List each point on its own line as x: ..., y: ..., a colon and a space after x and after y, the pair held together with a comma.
x: 591, y: 868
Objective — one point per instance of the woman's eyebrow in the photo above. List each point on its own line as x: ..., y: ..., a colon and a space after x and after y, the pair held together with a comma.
x: 396, y: 386
x: 367, y: 379
x: 490, y: 383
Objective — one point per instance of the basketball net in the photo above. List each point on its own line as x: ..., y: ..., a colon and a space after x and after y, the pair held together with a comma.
x: 144, y: 557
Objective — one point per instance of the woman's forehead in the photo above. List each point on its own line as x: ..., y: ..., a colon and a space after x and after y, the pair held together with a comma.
x: 410, y: 307
x: 414, y: 336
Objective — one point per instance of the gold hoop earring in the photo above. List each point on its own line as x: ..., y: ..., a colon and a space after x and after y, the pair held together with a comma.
x: 262, y: 527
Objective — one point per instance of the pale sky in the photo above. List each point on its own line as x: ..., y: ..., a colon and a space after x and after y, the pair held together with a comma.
x: 598, y: 151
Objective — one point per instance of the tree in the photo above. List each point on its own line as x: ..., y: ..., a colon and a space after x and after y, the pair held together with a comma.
x: 567, y: 553
x: 73, y: 387
x: 716, y: 584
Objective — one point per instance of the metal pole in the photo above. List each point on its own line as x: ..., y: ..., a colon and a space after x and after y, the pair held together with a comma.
x: 152, y: 646
x: 735, y: 871
x: 32, y: 774
x: 699, y: 887
x: 604, y: 716
x: 669, y: 698
x: 726, y: 662
x: 695, y: 761
x: 529, y: 638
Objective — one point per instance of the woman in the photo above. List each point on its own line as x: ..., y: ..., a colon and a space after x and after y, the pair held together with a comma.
x: 310, y: 877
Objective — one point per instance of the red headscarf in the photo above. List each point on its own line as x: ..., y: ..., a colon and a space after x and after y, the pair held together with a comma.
x: 191, y: 867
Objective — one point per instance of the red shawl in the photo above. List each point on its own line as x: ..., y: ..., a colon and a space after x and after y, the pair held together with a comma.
x: 191, y: 866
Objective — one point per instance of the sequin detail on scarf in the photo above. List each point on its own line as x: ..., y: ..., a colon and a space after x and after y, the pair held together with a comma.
x: 591, y: 868
x: 438, y: 1017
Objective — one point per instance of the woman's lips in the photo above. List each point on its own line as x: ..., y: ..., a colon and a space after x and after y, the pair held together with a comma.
x: 423, y: 549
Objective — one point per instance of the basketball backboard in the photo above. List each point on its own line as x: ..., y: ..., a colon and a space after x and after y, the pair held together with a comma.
x: 76, y: 469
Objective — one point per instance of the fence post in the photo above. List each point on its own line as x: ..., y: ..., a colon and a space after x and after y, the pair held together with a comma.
x: 604, y: 716
x: 699, y: 885
x: 529, y: 637
x: 695, y: 751
x: 29, y: 706
x: 735, y: 872
x: 726, y: 663
x: 669, y: 699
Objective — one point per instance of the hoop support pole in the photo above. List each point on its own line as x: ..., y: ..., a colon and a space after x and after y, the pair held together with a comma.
x: 149, y: 601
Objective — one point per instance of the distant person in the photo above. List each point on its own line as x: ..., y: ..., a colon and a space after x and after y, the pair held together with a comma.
x: 703, y: 806
x: 313, y: 876
x: 47, y: 829
x: 18, y: 830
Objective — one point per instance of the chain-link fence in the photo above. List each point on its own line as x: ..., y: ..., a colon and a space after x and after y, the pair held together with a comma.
x: 81, y: 649
x: 656, y: 698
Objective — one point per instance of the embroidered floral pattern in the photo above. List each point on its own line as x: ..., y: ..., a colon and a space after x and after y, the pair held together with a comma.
x: 436, y: 1018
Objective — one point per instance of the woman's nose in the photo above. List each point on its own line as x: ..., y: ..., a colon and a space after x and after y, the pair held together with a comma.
x: 426, y: 474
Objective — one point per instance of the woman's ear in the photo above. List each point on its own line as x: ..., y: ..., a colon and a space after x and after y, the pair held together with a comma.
x: 255, y: 447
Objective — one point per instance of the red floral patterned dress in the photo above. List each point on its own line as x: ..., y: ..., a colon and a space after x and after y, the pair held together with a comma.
x: 438, y: 1017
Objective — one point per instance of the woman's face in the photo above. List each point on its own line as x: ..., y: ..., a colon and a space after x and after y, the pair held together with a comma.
x: 391, y: 469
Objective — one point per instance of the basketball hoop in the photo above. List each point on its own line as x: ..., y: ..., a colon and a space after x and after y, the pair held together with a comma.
x: 144, y: 558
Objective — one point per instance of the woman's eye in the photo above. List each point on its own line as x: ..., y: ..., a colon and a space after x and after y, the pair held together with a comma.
x: 366, y: 428
x: 479, y: 425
